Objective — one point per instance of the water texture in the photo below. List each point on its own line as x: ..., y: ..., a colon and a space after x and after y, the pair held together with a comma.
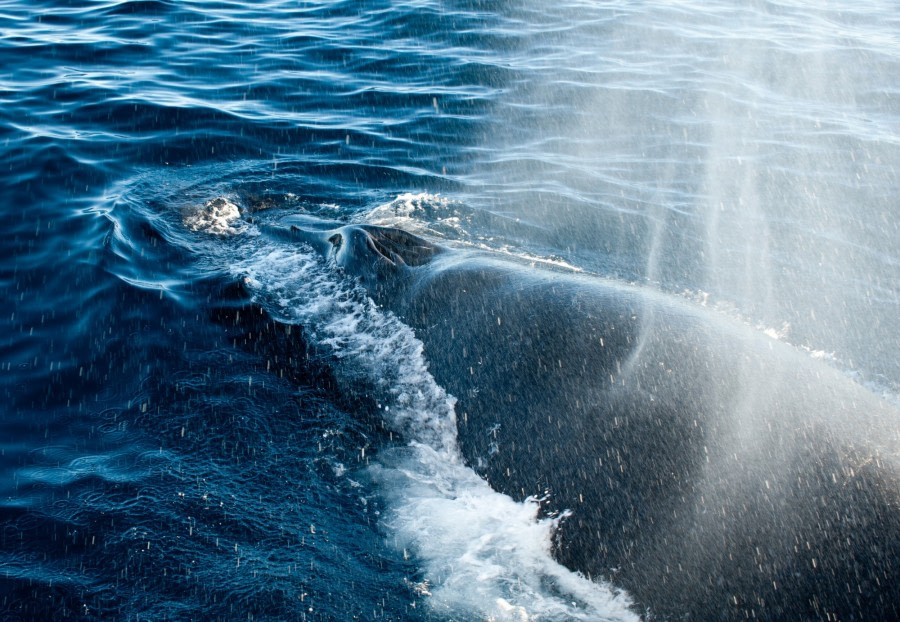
x: 206, y: 426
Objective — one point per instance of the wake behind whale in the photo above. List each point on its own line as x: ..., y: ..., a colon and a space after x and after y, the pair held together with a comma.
x: 708, y: 470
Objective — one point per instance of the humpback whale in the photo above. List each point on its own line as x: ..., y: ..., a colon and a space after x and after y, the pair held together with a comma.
x: 711, y: 471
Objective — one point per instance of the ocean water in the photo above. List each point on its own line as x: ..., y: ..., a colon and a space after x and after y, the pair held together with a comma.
x: 199, y: 422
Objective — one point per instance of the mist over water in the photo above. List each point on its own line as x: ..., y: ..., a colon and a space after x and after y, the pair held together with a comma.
x: 746, y: 152
x: 201, y: 425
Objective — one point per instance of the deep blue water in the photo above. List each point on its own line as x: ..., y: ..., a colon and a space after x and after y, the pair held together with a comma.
x: 190, y: 421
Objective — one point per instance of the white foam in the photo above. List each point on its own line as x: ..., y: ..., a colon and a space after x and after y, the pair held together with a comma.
x: 481, y: 554
x: 219, y: 216
x: 302, y: 288
x: 408, y: 205
x: 422, y: 213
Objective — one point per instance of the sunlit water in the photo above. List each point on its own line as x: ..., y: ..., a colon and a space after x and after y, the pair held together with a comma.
x: 204, y: 423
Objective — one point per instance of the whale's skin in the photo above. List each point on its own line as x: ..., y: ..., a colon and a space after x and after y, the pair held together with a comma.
x: 711, y: 471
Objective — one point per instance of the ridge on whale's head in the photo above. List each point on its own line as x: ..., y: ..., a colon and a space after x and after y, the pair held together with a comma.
x: 376, y: 255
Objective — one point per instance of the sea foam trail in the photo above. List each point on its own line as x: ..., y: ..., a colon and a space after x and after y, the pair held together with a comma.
x: 481, y: 553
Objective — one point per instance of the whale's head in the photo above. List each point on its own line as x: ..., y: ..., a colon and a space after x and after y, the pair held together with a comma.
x: 381, y: 258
